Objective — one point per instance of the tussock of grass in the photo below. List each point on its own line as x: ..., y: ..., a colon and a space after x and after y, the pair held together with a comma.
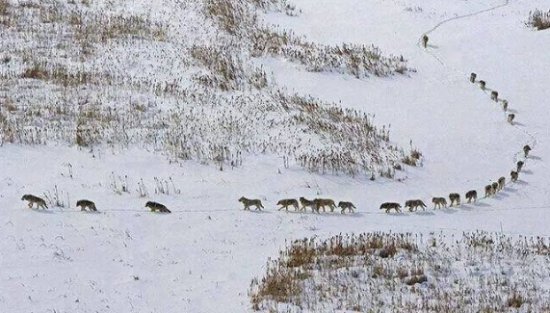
x: 380, y: 272
x: 539, y: 19
x: 239, y: 18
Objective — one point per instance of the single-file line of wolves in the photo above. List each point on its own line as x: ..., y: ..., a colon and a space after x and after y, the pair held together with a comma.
x: 412, y: 205
x: 317, y: 204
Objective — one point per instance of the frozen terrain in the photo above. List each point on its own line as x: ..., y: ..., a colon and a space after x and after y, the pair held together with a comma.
x: 203, y: 257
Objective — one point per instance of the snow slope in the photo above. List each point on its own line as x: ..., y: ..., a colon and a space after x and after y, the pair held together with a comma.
x: 203, y: 256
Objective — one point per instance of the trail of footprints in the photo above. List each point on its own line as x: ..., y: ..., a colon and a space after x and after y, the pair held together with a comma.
x: 472, y: 195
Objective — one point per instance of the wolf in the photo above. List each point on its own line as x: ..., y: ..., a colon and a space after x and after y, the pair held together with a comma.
x: 505, y: 105
x: 471, y: 195
x: 489, y: 191
x: 526, y: 150
x: 454, y: 197
x: 414, y: 204
x: 285, y: 203
x: 519, y: 166
x: 495, y: 187
x: 346, y: 205
x: 511, y: 118
x: 425, y: 41
x: 482, y: 84
x: 390, y: 205
x: 322, y: 203
x: 86, y: 204
x: 306, y: 203
x: 40, y: 203
x: 439, y: 201
x: 154, y: 206
x: 473, y: 77
x: 514, y: 176
x: 494, y: 96
x: 501, y: 183
x: 251, y: 202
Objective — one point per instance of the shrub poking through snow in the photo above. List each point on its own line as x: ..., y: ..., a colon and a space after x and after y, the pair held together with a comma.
x: 539, y: 19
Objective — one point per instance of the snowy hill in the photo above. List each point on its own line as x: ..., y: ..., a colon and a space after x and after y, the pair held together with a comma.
x: 194, y: 105
x: 178, y: 78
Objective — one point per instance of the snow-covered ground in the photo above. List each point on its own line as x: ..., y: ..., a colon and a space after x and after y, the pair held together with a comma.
x: 202, y: 257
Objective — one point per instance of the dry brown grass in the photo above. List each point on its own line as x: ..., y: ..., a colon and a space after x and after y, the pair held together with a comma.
x: 539, y: 19
x: 413, y: 158
x: 239, y: 18
x: 216, y: 106
x: 360, y: 272
x: 4, y: 6
x: 229, y: 13
x: 515, y: 301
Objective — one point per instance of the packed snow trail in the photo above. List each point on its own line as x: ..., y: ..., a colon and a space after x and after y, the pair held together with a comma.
x: 506, y: 3
x: 459, y: 73
x: 438, y: 25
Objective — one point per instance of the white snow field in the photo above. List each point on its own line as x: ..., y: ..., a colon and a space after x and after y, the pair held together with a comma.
x: 203, y: 256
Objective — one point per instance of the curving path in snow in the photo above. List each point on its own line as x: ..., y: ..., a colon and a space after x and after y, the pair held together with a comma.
x: 532, y: 139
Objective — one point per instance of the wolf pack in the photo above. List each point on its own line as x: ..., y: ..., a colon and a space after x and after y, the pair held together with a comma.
x: 510, y: 117
x: 325, y: 204
x: 472, y: 195
x: 318, y: 204
x: 302, y: 204
x: 454, y: 198
x: 87, y: 205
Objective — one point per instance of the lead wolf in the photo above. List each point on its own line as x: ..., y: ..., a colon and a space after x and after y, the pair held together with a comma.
x: 40, y: 203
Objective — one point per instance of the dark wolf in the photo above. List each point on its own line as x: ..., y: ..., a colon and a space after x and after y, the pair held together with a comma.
x: 389, y: 206
x: 471, y: 196
x: 455, y: 198
x: 346, y: 205
x: 86, y: 204
x: 40, y: 203
x: 154, y: 206
x: 439, y: 202
x: 415, y: 204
